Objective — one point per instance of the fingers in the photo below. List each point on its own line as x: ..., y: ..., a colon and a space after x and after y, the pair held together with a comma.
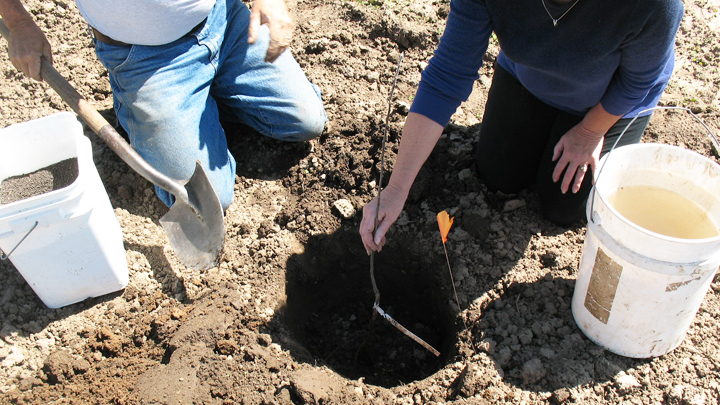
x: 278, y: 44
x: 560, y: 166
x: 579, y: 175
x: 574, y: 157
x: 274, y: 13
x: 254, y: 27
x: 26, y: 46
x: 574, y: 175
x: 29, y: 65
x: 33, y: 69
x: 373, y: 241
x: 281, y: 28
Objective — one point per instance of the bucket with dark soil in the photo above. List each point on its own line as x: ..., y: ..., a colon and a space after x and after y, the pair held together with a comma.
x: 41, y: 181
x: 329, y: 311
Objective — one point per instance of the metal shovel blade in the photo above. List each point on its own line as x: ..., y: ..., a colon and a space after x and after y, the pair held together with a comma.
x: 196, y: 230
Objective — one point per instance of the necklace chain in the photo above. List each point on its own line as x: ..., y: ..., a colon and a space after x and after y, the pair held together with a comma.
x: 555, y: 20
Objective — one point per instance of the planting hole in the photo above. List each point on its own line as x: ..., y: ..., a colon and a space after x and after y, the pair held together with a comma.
x: 329, y: 310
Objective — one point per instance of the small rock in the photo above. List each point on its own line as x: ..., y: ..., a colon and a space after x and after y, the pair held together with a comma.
x: 226, y: 346
x: 372, y: 77
x: 626, y: 383
x: 402, y: 107
x: 549, y: 259
x: 472, y: 380
x: 698, y: 399
x: 177, y: 314
x: 461, y: 272
x: 124, y: 192
x: 283, y: 395
x: 264, y: 339
x: 267, y: 228
x: 547, y: 352
x: 465, y: 174
x: 488, y: 346
x: 80, y: 366
x: 58, y: 367
x: 533, y: 371
x: 477, y: 226
x: 467, y: 379
x: 14, y: 358
x: 26, y: 384
x: 560, y: 396
x: 345, y: 208
x: 504, y: 356
x: 525, y: 336
x: 513, y: 205
x: 317, y: 46
x: 676, y: 394
x: 313, y: 386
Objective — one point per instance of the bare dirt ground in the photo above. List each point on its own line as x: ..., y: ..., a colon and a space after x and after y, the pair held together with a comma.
x: 286, y: 316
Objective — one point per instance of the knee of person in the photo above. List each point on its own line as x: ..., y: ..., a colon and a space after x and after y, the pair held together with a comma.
x: 225, y: 195
x: 226, y: 199
x: 305, y: 130
x: 562, y: 218
x: 225, y: 190
x: 502, y: 184
x: 498, y: 179
x: 312, y: 128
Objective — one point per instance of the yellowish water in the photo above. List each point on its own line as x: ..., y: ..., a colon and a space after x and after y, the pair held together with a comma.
x: 663, y: 211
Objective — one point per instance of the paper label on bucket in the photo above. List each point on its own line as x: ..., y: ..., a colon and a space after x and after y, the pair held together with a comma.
x: 603, y: 285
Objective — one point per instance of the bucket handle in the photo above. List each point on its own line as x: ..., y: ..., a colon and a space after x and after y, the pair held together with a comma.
x: 713, y: 139
x: 4, y: 256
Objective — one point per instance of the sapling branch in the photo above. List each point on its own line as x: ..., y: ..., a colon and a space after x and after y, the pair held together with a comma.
x: 376, y: 306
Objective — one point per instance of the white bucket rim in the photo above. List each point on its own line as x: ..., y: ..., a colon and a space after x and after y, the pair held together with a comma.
x: 633, y: 225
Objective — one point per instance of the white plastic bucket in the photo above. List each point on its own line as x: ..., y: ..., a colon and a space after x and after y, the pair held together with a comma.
x: 638, y: 291
x: 66, y: 243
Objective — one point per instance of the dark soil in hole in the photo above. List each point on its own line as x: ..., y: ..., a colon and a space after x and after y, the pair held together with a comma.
x: 329, y: 311
x: 45, y: 180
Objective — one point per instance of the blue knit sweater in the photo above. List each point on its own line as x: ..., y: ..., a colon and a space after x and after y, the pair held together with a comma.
x: 616, y: 52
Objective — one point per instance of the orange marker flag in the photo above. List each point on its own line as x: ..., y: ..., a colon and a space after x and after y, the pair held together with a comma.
x: 445, y: 222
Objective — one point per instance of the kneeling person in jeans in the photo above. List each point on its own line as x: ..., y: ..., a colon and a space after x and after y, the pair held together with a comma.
x: 177, y: 67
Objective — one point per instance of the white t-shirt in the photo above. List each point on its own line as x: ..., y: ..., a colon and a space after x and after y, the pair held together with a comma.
x: 144, y: 22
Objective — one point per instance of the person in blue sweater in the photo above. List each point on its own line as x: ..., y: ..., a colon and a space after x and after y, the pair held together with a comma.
x: 570, y: 76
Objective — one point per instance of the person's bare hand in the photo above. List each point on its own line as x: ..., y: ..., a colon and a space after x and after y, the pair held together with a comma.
x: 26, y: 45
x: 275, y: 14
x: 392, y: 201
x: 576, y: 151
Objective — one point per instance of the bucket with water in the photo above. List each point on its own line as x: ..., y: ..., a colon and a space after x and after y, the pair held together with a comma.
x: 651, y: 249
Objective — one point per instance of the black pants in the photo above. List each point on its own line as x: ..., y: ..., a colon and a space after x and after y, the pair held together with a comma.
x: 515, y: 147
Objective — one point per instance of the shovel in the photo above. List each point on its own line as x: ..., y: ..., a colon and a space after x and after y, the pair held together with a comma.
x: 194, y: 224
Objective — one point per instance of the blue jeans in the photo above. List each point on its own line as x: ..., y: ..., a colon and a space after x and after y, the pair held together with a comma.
x: 168, y: 98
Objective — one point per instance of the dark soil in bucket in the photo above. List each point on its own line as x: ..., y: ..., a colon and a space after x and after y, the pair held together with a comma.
x: 330, y: 311
x: 44, y: 180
